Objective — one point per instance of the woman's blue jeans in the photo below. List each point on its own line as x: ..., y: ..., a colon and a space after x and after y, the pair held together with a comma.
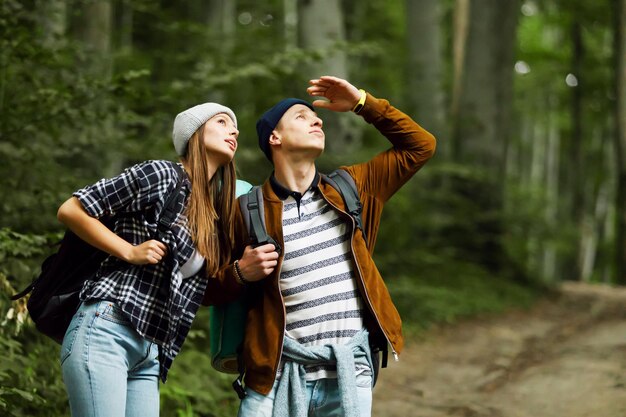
x: 109, y: 370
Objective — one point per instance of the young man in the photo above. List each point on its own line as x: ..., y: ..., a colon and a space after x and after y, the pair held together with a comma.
x: 318, y: 306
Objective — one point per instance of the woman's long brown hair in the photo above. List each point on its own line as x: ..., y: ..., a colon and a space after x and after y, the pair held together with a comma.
x: 210, y: 209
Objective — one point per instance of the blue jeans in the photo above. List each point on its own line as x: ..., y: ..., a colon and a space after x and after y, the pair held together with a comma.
x: 322, y: 396
x: 109, y: 370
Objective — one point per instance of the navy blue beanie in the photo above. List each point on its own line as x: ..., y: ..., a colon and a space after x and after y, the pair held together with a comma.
x: 267, y: 123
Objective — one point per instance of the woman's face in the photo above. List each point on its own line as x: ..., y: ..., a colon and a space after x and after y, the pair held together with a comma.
x: 220, y: 138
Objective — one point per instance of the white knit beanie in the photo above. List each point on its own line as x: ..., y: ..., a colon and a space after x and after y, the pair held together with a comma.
x: 188, y: 121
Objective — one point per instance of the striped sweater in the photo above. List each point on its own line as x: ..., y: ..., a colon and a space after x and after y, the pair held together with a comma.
x: 317, y: 279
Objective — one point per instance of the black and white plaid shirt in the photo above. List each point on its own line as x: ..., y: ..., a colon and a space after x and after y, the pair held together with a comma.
x: 159, y: 302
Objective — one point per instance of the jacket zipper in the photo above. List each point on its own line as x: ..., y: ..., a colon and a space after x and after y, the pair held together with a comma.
x: 282, y: 300
x: 358, y: 267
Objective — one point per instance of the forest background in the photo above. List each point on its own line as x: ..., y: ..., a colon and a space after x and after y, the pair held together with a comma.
x: 526, y: 98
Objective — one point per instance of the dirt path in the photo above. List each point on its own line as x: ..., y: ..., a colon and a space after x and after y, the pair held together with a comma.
x: 566, y: 357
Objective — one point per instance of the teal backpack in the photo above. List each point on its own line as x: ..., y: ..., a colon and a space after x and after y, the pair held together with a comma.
x: 227, y: 321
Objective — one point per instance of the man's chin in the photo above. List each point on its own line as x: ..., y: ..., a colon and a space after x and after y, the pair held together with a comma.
x: 317, y: 152
x: 310, y: 152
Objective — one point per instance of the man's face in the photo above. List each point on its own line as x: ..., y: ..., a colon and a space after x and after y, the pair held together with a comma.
x: 300, y: 130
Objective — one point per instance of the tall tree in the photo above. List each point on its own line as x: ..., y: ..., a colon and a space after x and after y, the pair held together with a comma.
x: 620, y: 138
x: 220, y: 17
x: 321, y: 30
x: 221, y: 20
x: 576, y: 165
x: 425, y: 94
x: 94, y: 29
x: 482, y: 103
x: 53, y: 17
x: 484, y: 48
x: 551, y: 187
x: 124, y: 25
x: 290, y: 22
x: 321, y: 27
x: 459, y: 50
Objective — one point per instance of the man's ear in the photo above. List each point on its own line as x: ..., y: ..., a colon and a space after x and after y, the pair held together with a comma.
x: 275, y: 138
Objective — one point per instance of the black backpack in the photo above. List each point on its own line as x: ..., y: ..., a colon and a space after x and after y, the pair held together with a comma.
x: 54, y: 298
x: 228, y: 320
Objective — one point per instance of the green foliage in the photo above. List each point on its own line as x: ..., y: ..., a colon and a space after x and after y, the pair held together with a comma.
x: 11, y: 351
x: 448, y: 291
x: 56, y: 122
x: 66, y: 120
x: 30, y: 378
x: 29, y: 385
x: 20, y: 254
x: 13, y: 244
x: 545, y: 103
x: 194, y: 388
x: 445, y: 215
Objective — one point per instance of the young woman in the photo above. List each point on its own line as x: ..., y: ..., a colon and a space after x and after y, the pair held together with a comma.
x: 137, y: 310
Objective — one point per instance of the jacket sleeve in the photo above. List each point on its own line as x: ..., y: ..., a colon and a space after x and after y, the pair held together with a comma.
x: 412, y: 147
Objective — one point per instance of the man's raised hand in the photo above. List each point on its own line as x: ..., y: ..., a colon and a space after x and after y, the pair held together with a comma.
x: 341, y: 95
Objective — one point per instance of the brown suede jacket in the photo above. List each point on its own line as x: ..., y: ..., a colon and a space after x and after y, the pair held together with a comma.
x: 376, y: 180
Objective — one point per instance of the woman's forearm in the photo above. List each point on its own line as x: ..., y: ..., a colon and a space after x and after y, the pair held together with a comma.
x: 93, y: 231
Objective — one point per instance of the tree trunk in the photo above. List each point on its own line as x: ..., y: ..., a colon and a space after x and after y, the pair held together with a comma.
x: 552, y: 199
x: 575, y: 173
x: 125, y: 28
x: 620, y: 140
x: 94, y: 30
x: 221, y: 21
x: 482, y: 109
x: 92, y: 24
x: 459, y: 47
x: 321, y: 30
x: 290, y: 9
x: 53, y: 17
x: 220, y: 17
x: 425, y: 94
x: 592, y: 232
x: 320, y: 26
x: 485, y: 41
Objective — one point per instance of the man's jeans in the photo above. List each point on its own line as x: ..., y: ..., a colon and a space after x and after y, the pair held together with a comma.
x: 109, y: 370
x: 322, y: 396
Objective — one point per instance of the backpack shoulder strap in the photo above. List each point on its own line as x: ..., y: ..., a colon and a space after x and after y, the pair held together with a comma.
x: 343, y: 182
x: 24, y: 291
x: 169, y: 213
x: 253, y: 213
